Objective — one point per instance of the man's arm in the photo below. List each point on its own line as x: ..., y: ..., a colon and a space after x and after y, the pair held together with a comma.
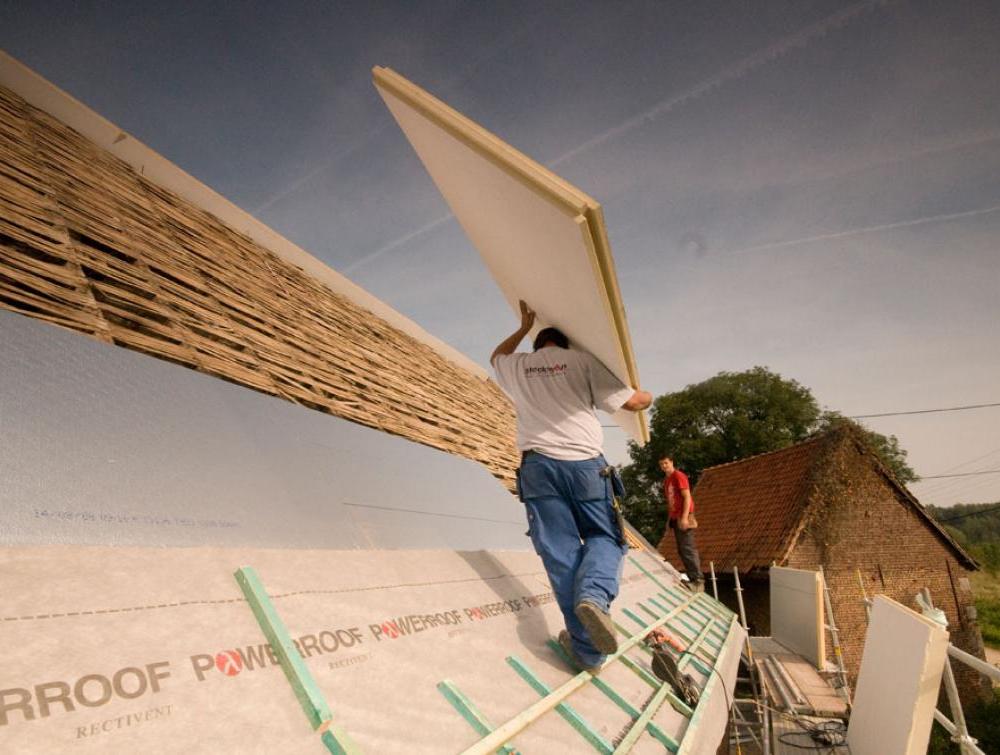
x: 510, y: 343
x: 638, y: 401
x: 683, y: 521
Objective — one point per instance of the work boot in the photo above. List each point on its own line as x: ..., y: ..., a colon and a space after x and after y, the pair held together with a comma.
x: 598, y: 624
x: 567, y: 645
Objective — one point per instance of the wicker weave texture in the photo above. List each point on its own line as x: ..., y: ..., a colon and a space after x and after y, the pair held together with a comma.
x: 87, y: 243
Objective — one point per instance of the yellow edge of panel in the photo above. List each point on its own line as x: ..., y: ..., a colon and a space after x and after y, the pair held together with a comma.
x: 612, y: 303
x: 606, y: 264
x: 515, y: 163
x: 820, y: 622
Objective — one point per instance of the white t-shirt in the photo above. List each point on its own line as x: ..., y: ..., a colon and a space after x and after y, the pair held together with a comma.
x: 555, y: 391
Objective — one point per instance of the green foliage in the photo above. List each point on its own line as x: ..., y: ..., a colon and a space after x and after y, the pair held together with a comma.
x: 728, y: 417
x: 988, y: 555
x: 986, y: 589
x: 983, y: 723
x: 975, y: 526
x: 988, y: 615
x: 885, y: 447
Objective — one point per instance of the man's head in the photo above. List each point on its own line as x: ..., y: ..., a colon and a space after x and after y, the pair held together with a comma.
x: 667, y: 465
x: 550, y: 337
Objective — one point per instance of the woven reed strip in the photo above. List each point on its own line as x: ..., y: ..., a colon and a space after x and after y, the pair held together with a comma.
x: 20, y: 141
x: 168, y: 279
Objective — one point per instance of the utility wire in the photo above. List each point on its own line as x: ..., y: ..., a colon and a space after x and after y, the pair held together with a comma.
x: 970, y: 513
x: 960, y: 474
x: 925, y: 411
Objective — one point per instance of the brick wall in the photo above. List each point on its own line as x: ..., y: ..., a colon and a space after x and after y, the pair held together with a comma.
x: 859, y: 522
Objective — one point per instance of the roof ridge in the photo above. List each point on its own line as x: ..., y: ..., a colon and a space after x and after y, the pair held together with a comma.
x: 797, y: 444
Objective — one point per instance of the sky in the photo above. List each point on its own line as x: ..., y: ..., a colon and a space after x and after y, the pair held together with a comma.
x: 811, y: 186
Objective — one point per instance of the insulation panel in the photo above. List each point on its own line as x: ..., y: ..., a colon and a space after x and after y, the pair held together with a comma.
x: 543, y: 240
x: 899, y: 682
x: 797, y: 612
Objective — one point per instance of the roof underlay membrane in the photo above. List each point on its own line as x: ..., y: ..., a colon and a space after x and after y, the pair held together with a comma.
x: 132, y: 491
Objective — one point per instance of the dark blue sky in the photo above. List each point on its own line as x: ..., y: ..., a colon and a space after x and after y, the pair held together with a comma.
x: 812, y: 186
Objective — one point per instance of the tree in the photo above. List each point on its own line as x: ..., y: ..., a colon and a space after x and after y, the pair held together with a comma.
x: 728, y: 417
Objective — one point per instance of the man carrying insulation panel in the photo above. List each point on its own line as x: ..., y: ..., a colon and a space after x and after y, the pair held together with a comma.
x: 564, y: 480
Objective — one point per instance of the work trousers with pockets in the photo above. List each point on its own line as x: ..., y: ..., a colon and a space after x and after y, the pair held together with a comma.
x: 688, y: 551
x: 573, y: 528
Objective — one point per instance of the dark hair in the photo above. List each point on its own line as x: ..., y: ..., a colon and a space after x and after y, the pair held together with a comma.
x: 550, y: 335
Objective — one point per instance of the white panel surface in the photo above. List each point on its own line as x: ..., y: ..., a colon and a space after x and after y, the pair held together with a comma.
x: 378, y: 631
x: 542, y: 240
x: 898, y: 683
x: 101, y: 445
x: 797, y: 612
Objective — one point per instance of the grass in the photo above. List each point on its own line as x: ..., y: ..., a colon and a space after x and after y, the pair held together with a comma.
x: 986, y: 589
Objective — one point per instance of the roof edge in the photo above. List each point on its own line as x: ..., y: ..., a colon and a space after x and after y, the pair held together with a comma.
x: 912, y: 500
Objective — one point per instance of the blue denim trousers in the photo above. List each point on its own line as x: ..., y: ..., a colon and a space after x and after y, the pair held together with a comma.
x: 573, y: 528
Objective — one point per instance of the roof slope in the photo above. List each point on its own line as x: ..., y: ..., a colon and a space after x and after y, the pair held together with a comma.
x: 394, y: 642
x: 750, y: 512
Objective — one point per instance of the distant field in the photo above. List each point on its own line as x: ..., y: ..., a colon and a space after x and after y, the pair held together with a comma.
x: 986, y: 588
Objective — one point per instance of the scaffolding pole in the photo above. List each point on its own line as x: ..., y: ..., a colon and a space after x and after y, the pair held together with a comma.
x: 831, y: 625
x: 959, y: 732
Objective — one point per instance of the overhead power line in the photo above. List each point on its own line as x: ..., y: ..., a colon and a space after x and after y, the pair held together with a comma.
x: 960, y: 474
x: 970, y: 513
x: 925, y: 411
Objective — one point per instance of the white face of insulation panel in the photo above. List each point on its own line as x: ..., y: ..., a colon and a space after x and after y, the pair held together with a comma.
x: 536, y: 249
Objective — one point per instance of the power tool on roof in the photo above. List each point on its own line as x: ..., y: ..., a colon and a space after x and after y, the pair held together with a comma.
x: 665, y: 665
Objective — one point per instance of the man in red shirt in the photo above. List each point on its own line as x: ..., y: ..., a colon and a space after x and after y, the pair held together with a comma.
x: 680, y: 512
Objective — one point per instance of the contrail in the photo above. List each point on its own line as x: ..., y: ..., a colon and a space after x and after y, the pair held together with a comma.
x: 397, y: 243
x: 867, y: 229
x: 458, y: 78
x: 777, y: 50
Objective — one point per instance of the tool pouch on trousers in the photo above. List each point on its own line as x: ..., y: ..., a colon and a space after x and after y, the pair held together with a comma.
x: 617, y: 495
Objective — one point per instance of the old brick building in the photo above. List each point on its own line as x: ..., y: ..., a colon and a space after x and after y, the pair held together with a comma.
x: 830, y: 502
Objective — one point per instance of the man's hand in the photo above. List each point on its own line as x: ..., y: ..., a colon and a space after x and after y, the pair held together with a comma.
x: 683, y: 524
x: 527, y: 316
x: 638, y: 401
x: 510, y: 343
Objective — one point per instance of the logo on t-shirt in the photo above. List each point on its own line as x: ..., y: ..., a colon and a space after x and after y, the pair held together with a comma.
x: 556, y: 369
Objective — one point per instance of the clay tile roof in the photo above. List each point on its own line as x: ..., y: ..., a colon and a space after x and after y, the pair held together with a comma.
x: 748, y: 510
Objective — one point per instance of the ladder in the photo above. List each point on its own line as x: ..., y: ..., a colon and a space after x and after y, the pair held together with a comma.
x: 831, y: 625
